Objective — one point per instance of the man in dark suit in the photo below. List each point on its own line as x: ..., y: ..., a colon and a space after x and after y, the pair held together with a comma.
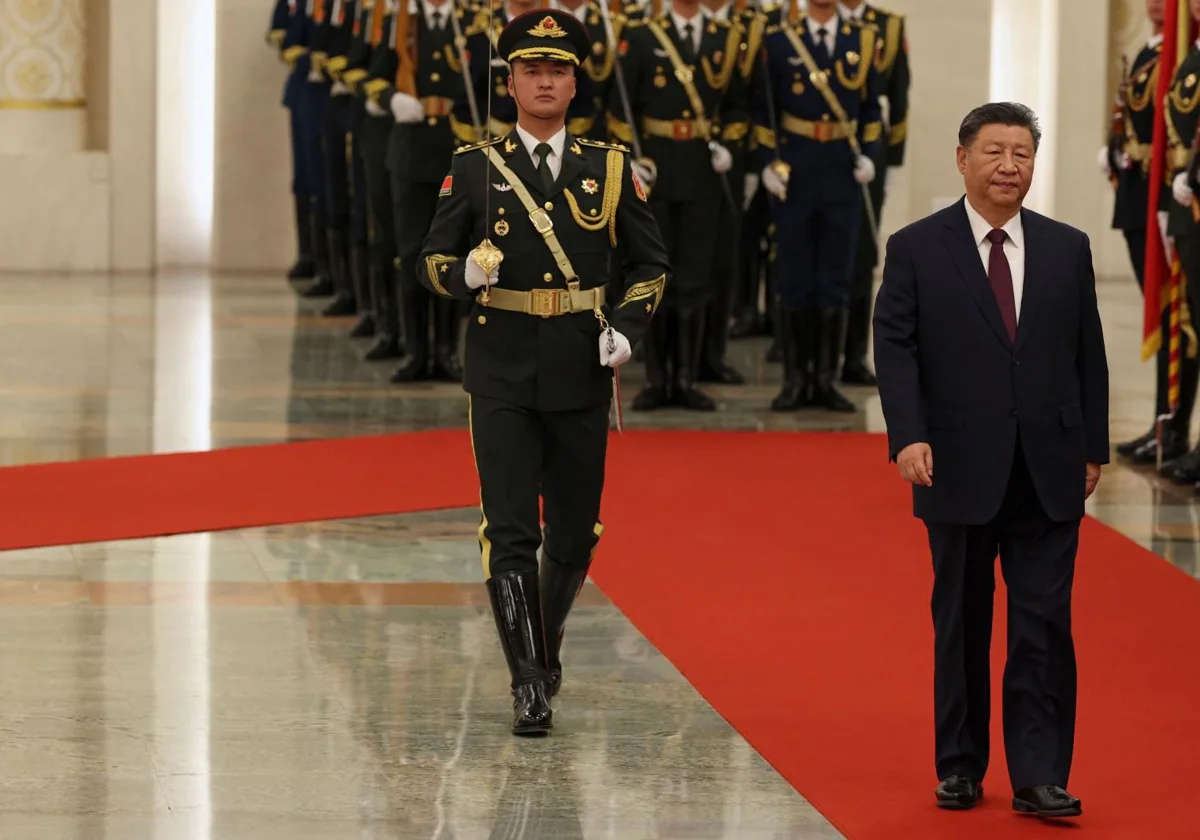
x: 991, y: 365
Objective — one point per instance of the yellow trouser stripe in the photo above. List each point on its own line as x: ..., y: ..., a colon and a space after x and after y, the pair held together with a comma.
x: 485, y: 545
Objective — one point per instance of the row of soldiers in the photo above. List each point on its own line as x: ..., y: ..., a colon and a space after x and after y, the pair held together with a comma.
x: 1126, y: 161
x: 762, y: 134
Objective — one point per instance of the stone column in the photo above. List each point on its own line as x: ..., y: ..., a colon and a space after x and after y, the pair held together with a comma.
x: 42, y: 56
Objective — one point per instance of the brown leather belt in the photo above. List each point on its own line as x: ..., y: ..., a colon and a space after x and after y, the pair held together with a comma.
x: 546, y: 303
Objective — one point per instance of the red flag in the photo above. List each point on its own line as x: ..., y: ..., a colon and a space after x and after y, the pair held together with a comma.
x: 1158, y: 261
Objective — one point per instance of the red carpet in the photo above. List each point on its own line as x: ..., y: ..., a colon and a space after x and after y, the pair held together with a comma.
x: 781, y: 573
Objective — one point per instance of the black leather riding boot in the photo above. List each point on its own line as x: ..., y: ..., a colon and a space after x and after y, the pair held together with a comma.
x: 797, y: 384
x: 831, y: 337
x: 322, y: 284
x: 517, y: 609
x: 655, y: 393
x: 414, y: 312
x: 689, y: 347
x: 303, y: 268
x: 387, y: 315
x: 858, y: 332
x: 343, y: 302
x: 560, y: 585
x: 360, y: 270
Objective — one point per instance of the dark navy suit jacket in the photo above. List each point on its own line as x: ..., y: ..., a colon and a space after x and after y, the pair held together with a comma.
x: 950, y: 376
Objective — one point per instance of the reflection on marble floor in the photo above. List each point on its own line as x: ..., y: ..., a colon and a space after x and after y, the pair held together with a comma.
x: 342, y: 679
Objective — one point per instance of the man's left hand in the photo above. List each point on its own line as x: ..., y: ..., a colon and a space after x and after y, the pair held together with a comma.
x: 722, y: 158
x: 1093, y: 478
x: 620, y: 353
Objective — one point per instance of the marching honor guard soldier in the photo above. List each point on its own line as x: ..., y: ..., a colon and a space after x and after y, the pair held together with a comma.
x: 420, y: 94
x: 823, y: 89
x: 541, y: 343
x: 891, y: 62
x: 1178, y: 198
x: 688, y: 105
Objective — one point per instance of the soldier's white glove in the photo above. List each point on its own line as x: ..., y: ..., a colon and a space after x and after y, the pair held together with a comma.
x: 407, y: 108
x: 1181, y: 190
x: 339, y: 89
x: 375, y: 109
x: 1102, y: 160
x: 314, y: 76
x: 643, y: 174
x: 1162, y: 217
x: 475, y: 277
x: 620, y: 353
x: 773, y: 183
x: 749, y: 189
x: 864, y: 170
x: 722, y: 159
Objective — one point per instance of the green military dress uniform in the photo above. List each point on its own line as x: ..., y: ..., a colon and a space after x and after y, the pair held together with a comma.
x: 891, y: 63
x: 1183, y: 120
x: 539, y: 396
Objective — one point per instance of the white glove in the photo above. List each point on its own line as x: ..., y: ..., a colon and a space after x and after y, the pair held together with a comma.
x: 339, y: 89
x: 375, y: 109
x: 1102, y: 160
x: 621, y: 352
x: 749, y: 190
x: 1162, y: 217
x: 314, y: 76
x: 1181, y: 190
x: 475, y: 277
x: 722, y: 159
x: 643, y: 173
x: 1124, y: 161
x: 773, y: 183
x: 407, y: 108
x: 864, y: 170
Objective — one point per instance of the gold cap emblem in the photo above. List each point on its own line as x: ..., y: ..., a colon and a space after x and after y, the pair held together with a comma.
x: 548, y: 28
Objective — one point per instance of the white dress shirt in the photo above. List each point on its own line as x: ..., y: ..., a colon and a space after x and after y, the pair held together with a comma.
x: 556, y: 148
x: 697, y: 27
x: 1014, y: 249
x: 824, y: 32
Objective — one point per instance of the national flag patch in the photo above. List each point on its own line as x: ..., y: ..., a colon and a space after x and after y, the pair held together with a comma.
x: 637, y: 185
x: 446, y: 184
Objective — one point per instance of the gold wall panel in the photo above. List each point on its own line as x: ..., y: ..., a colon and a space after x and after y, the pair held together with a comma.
x: 42, y: 53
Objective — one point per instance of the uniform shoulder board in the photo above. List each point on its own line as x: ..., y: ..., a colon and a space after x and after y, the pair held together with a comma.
x: 774, y: 29
x: 475, y: 146
x: 597, y: 144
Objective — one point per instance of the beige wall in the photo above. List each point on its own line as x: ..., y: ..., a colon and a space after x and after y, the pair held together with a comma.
x: 252, y: 213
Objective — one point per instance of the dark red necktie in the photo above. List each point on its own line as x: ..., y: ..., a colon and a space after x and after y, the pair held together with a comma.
x: 1000, y: 276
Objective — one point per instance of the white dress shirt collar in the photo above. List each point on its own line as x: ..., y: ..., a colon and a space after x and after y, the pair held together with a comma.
x: 980, y: 227
x: 1154, y: 41
x: 697, y: 26
x: 556, y: 147
x: 824, y: 32
x: 721, y: 14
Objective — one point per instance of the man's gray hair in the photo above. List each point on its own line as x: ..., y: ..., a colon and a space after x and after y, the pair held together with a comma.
x: 999, y: 113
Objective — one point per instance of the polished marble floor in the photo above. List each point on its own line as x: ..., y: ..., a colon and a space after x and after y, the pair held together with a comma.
x: 342, y: 679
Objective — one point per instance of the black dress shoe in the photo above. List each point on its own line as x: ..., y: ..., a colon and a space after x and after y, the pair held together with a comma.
x: 1127, y: 448
x: 1174, y: 446
x: 1183, y: 471
x: 857, y: 373
x: 364, y: 327
x: 958, y: 793
x: 1046, y: 801
x: 722, y: 374
x: 385, y: 347
x: 322, y: 286
x: 342, y: 304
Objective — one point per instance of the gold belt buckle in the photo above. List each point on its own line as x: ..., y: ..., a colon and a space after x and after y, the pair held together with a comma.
x: 823, y: 131
x: 546, y: 302
x: 541, y: 223
x: 681, y: 129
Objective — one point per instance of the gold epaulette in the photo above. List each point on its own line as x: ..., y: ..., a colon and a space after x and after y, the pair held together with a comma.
x: 774, y: 29
x: 481, y: 145
x: 600, y: 145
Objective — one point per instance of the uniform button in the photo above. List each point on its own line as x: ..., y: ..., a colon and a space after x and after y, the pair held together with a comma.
x: 500, y: 211
x: 437, y: 54
x: 549, y: 206
x: 548, y: 277
x: 432, y: 121
x: 435, y: 77
x: 483, y: 319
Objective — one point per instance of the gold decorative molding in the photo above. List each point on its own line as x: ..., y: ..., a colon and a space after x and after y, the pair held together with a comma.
x: 42, y: 53
x: 41, y: 104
